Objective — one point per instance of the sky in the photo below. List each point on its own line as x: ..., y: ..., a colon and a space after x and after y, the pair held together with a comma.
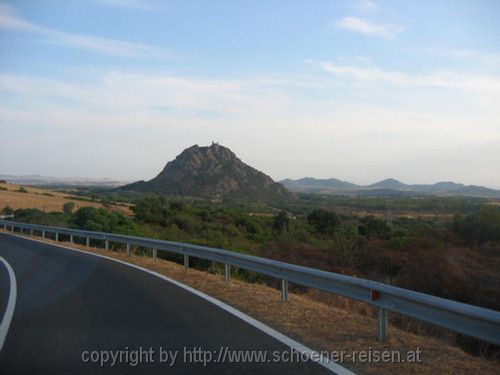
x: 358, y: 90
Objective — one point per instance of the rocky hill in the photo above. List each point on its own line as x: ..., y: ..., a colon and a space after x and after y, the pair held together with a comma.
x: 212, y: 172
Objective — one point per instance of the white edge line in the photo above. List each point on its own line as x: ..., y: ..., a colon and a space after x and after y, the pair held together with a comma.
x: 313, y: 355
x: 11, y: 303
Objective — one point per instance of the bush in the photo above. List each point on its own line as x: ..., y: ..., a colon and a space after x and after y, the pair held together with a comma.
x: 152, y: 210
x: 7, y: 211
x: 35, y: 216
x: 101, y: 220
x: 68, y: 208
x: 371, y: 227
x: 281, y: 222
x: 481, y: 226
x: 325, y: 222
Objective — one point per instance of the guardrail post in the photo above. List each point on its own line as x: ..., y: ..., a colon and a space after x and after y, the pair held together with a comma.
x: 227, y: 273
x: 381, y: 324
x: 31, y: 232
x: 155, y: 254
x: 43, y: 234
x: 57, y: 236
x: 186, y: 262
x: 4, y: 226
x: 128, y: 249
x: 12, y: 228
x: 87, y: 242
x: 71, y: 238
x: 106, y: 244
x: 284, y: 290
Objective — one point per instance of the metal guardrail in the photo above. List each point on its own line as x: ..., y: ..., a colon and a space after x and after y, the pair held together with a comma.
x: 466, y: 319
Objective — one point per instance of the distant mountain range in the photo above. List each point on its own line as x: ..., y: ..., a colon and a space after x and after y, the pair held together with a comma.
x: 62, y: 181
x: 388, y: 187
x: 212, y: 172
x: 216, y: 172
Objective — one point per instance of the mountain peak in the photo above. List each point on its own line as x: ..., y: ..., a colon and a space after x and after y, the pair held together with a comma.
x: 212, y: 171
x: 389, y: 183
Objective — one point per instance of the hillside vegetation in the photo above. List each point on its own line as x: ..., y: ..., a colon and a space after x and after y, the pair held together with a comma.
x: 459, y: 259
x: 454, y: 254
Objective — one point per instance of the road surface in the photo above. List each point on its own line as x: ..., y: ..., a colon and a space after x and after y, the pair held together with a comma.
x: 77, y: 313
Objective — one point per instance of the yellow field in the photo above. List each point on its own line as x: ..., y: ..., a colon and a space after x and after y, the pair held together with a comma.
x: 39, y: 198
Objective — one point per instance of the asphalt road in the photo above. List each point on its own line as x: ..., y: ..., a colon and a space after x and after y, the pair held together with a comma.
x: 73, y: 309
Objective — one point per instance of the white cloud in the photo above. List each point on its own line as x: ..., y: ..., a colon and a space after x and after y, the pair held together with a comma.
x: 358, y: 25
x: 366, y: 6
x: 127, y: 125
x: 10, y: 21
x: 477, y: 83
x: 112, y: 116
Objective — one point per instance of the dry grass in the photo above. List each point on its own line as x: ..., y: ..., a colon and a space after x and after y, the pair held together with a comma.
x: 39, y: 198
x: 321, y: 326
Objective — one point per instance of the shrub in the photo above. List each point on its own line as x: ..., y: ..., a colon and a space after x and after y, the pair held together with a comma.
x: 325, y: 222
x: 35, y: 216
x: 7, y: 211
x: 481, y: 226
x: 281, y: 222
x: 68, y: 208
x: 101, y: 220
x: 371, y: 227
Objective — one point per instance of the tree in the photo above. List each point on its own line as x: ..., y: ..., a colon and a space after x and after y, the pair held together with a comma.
x: 346, y: 243
x: 68, y: 208
x: 371, y: 227
x: 480, y: 226
x: 325, y: 222
x: 152, y: 210
x: 36, y: 216
x: 281, y: 222
x: 7, y: 211
x: 101, y: 220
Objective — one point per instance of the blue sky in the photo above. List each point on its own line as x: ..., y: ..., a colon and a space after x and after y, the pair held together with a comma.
x: 357, y: 90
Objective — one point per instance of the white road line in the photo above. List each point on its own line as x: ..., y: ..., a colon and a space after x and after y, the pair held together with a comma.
x: 314, y: 355
x: 11, y: 303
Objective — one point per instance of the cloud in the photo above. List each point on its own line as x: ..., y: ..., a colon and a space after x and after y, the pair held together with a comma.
x: 121, y: 92
x: 110, y: 113
x: 448, y: 80
x: 366, y: 6
x: 358, y: 25
x: 10, y: 21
